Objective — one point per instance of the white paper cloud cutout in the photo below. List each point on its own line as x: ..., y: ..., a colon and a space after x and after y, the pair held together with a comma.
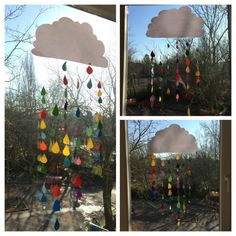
x: 175, y: 23
x: 69, y: 40
x: 172, y: 139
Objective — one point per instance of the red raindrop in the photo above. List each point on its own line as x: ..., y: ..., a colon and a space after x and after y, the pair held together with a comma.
x: 76, y: 181
x: 187, y: 61
x: 56, y: 190
x: 42, y: 146
x: 89, y: 70
x: 99, y: 85
x: 65, y: 81
x: 43, y: 114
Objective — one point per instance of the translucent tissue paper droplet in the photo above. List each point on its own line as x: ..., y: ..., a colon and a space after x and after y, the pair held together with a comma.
x: 55, y: 148
x: 65, y: 81
x: 42, y: 146
x: 99, y: 85
x: 66, y: 151
x: 99, y: 93
x: 89, y: 84
x: 99, y: 100
x: 89, y: 70
x: 90, y: 143
x: 43, y: 92
x: 43, y: 114
x: 66, y: 139
x: 43, y: 135
x: 78, y: 112
x: 89, y: 131
x: 64, y: 66
x: 55, y: 111
x: 42, y: 124
x: 67, y: 162
x: 43, y: 159
x: 56, y: 206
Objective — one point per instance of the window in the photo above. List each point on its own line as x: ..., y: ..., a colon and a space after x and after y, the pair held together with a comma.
x: 156, y: 79
x: 204, y: 177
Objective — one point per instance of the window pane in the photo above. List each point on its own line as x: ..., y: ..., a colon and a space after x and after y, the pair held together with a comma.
x: 174, y: 190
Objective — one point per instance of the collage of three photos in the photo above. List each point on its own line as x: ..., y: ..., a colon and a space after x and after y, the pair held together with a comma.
x: 62, y: 121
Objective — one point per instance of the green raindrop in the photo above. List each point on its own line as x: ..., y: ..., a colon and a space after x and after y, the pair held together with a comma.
x: 100, y: 125
x: 55, y: 111
x: 43, y: 92
x: 43, y: 100
x: 89, y: 131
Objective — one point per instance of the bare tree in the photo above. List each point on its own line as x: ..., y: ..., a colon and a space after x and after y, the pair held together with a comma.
x: 211, y: 139
x: 16, y: 40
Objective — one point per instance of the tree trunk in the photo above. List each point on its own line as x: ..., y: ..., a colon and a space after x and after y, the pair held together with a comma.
x: 107, y: 188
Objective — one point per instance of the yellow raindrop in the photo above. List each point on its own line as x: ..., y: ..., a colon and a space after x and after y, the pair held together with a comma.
x: 153, y: 162
x: 66, y: 151
x: 43, y: 159
x: 100, y: 117
x: 169, y: 193
x: 99, y: 93
x: 197, y: 73
x: 159, y: 98
x: 66, y: 139
x: 42, y: 124
x: 90, y: 143
x: 169, y: 186
x: 55, y: 148
x: 187, y: 69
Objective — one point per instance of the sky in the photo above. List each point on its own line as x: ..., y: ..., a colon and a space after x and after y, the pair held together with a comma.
x: 103, y: 29
x: 139, y: 17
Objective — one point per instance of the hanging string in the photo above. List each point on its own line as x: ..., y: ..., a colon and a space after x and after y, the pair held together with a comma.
x: 160, y: 88
x: 98, y: 169
x: 178, y: 205
x: 42, y: 146
x: 153, y: 178
x: 66, y: 139
x: 162, y: 174
x: 177, y: 75
x: 187, y: 70
x: 170, y: 188
x: 152, y: 98
x: 167, y: 68
x: 189, y: 180
x: 197, y: 74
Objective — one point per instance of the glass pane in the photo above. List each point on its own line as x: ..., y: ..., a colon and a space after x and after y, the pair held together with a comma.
x: 178, y: 63
x: 60, y: 134
x: 176, y: 190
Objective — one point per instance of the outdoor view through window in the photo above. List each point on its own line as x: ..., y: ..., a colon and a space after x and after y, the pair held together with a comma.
x: 174, y: 175
x: 60, y: 132
x: 178, y: 60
